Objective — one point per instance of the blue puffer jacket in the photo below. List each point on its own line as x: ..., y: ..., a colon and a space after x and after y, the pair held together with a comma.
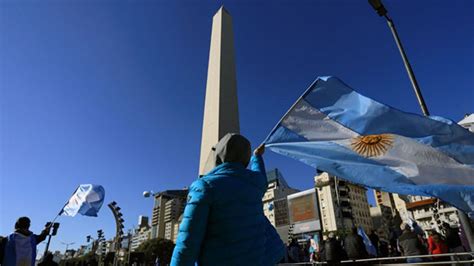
x: 223, y: 222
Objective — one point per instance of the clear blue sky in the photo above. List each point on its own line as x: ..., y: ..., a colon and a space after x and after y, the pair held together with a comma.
x: 112, y: 92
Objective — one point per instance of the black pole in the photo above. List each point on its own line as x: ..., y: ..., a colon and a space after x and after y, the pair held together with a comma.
x: 47, y: 245
x: 411, y: 75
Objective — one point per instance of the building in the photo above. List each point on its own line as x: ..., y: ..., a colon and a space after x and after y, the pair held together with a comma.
x: 396, y: 203
x: 173, y: 210
x: 168, y: 207
x: 342, y: 204
x: 430, y: 213
x: 176, y: 228
x: 274, y: 201
x: 141, y: 233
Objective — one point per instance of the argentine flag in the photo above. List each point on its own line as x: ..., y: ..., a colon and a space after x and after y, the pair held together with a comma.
x: 335, y: 129
x: 86, y: 200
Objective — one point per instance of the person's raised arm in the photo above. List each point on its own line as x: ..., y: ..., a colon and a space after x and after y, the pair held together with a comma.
x: 193, y: 227
x: 256, y: 162
x: 41, y: 237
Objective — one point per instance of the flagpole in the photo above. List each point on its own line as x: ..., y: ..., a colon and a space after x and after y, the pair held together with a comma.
x: 380, y: 8
x: 48, y: 228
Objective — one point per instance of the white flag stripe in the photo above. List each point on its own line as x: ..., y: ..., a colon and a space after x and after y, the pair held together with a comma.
x: 311, y: 124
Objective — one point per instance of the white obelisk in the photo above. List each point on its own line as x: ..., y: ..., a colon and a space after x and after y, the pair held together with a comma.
x: 221, y: 112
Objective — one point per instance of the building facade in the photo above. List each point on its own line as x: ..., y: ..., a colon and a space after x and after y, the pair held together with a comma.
x: 168, y: 207
x: 274, y: 201
x: 343, y: 205
x: 141, y: 233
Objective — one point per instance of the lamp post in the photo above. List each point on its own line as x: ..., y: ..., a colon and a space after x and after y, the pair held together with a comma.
x: 68, y: 244
x: 148, y: 193
x: 379, y: 7
x: 382, y: 11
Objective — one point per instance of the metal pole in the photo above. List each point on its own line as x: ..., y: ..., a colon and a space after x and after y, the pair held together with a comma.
x: 463, y: 219
x: 411, y: 75
x: 47, y: 245
x: 467, y: 229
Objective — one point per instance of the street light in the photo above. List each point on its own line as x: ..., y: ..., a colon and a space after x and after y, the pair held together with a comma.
x: 378, y: 6
x: 382, y: 11
x: 68, y: 244
x: 148, y: 193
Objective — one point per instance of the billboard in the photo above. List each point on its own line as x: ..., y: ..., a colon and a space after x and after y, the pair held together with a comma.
x: 303, y: 211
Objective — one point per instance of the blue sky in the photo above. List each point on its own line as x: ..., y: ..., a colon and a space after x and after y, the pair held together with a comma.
x: 112, y: 92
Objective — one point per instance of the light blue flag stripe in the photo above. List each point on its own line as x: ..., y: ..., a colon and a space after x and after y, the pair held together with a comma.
x: 366, y: 116
x: 424, y: 156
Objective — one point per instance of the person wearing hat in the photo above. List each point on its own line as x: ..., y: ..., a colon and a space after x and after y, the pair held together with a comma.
x: 20, y: 247
x: 223, y: 221
x: 409, y: 244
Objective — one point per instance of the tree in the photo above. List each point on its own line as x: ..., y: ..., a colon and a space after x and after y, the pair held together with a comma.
x: 157, y: 248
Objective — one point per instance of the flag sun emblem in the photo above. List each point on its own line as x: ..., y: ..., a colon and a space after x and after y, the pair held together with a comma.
x: 372, y: 145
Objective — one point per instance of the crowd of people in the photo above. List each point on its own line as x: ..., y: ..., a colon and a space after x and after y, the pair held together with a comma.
x: 410, y: 240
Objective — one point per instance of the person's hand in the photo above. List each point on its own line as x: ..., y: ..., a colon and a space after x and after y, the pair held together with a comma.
x: 260, y: 150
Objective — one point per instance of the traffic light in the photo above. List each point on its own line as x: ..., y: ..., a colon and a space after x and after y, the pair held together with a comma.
x: 100, y: 234
x: 88, y: 238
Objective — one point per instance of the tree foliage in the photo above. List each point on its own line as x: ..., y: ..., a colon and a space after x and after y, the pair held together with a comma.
x: 157, y: 248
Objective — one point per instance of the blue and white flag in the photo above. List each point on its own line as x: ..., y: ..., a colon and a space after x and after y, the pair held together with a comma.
x: 337, y: 130
x: 371, y: 249
x: 87, y: 201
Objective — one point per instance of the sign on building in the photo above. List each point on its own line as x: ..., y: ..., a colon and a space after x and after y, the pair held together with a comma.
x: 303, y: 212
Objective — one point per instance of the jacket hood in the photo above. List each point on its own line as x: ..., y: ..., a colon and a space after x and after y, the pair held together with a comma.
x: 232, y: 148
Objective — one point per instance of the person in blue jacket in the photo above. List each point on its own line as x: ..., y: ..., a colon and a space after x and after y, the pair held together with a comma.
x: 223, y: 222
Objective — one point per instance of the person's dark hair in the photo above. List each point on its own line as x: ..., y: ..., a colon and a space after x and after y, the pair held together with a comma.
x: 23, y: 223
x: 354, y: 230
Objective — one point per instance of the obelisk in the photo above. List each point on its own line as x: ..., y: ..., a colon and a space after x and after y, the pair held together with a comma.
x: 221, y: 112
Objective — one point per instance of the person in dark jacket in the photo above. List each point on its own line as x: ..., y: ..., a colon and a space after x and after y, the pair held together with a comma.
x: 409, y: 244
x: 223, y: 221
x: 383, y: 249
x: 20, y: 248
x: 294, y: 251
x: 3, y: 243
x: 48, y: 260
x: 354, y: 246
x: 374, y: 238
x: 452, y: 239
x: 333, y: 252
